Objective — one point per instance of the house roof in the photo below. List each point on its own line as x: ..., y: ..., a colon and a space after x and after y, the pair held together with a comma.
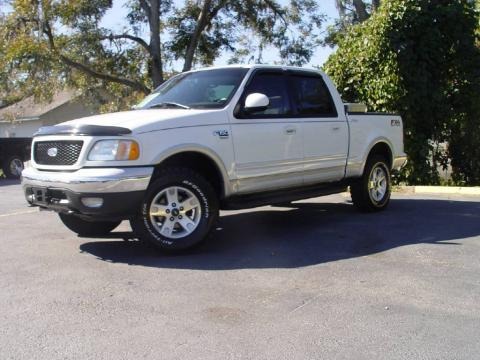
x: 28, y: 109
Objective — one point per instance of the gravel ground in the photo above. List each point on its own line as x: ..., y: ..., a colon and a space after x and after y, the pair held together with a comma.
x: 316, y: 280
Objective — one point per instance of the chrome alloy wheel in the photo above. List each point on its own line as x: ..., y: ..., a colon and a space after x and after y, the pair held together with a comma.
x: 377, y: 183
x: 16, y: 167
x: 175, y: 212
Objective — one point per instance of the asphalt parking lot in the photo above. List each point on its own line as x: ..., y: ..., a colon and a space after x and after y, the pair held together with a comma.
x: 313, y: 281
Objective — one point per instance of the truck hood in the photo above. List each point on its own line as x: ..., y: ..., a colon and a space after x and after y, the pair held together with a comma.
x: 139, y: 121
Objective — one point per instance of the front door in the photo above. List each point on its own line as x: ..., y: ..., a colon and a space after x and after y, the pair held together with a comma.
x: 268, y: 144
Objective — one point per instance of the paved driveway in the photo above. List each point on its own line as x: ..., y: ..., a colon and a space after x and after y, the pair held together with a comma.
x: 313, y: 281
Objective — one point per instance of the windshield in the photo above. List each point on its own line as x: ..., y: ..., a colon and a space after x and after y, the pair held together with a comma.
x: 209, y: 89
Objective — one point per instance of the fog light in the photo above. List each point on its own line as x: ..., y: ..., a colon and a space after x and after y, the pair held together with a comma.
x: 92, y: 202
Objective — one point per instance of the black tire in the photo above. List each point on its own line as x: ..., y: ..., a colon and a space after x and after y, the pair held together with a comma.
x: 88, y: 228
x: 12, y: 167
x: 363, y: 195
x: 188, y: 183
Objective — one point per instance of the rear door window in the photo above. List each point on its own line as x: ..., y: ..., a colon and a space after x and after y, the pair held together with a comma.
x: 311, y: 96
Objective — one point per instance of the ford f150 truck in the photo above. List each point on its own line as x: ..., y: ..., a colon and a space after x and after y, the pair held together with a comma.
x: 211, y: 139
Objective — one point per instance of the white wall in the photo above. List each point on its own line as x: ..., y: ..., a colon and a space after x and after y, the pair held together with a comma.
x: 19, y: 128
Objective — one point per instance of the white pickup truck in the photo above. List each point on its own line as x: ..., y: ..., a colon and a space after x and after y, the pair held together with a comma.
x: 211, y: 139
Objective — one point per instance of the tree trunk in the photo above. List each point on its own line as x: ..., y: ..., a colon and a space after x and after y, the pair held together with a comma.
x: 375, y: 4
x: 361, y: 10
x: 202, y: 21
x: 341, y: 12
x: 153, y: 14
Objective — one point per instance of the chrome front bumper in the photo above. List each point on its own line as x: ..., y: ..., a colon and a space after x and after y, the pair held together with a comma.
x: 91, y: 180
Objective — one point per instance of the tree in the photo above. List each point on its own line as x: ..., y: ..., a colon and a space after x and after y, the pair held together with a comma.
x: 58, y: 42
x: 355, y: 11
x: 350, y: 12
x: 418, y: 57
x: 206, y: 27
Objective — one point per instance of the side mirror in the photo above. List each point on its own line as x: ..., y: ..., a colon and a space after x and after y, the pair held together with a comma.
x: 256, y: 102
x: 355, y: 108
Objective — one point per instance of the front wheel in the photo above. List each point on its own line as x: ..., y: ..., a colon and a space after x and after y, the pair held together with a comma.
x: 87, y: 228
x: 372, y: 191
x: 178, y: 211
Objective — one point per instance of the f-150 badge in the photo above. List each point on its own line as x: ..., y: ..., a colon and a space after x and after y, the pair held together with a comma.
x: 222, y: 134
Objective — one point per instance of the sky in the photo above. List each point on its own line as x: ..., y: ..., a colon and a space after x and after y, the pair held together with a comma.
x: 114, y: 19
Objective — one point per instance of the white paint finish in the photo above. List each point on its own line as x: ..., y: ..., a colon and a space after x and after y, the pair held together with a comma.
x: 140, y: 121
x: 256, y: 100
x: 266, y: 149
x: 368, y: 130
x: 326, y: 143
x: 255, y: 155
x: 326, y: 149
x: 202, y: 139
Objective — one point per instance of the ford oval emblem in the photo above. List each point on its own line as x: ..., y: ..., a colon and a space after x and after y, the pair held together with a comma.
x: 52, y: 152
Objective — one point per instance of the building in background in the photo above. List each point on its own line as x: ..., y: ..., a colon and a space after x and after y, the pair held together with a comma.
x: 24, y: 118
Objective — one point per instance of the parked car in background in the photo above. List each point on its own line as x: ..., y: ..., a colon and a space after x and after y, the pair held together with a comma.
x: 13, y: 153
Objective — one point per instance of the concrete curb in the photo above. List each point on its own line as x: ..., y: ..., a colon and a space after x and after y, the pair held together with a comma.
x: 456, y: 190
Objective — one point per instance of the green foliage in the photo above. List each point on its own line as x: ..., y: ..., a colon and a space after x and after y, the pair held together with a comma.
x: 350, y: 12
x: 181, y: 25
x: 39, y: 41
x: 245, y: 27
x: 418, y: 58
x: 46, y: 45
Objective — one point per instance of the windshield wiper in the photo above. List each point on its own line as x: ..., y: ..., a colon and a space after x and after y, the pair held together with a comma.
x: 167, y: 104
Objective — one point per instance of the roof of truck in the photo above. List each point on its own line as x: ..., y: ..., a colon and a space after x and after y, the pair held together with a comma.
x: 260, y: 66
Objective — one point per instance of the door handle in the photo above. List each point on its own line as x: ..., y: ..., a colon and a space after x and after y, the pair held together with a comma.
x: 290, y: 130
x: 335, y: 128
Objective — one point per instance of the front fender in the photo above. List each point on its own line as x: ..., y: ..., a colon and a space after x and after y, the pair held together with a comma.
x: 181, y: 148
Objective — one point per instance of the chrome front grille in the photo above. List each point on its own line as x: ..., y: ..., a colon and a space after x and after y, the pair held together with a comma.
x: 64, y: 152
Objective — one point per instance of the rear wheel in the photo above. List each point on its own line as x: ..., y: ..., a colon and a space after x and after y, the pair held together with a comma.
x: 88, y: 228
x: 372, y: 191
x: 13, y: 167
x: 178, y: 212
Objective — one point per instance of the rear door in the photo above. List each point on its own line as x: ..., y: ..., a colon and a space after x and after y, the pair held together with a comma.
x: 268, y: 144
x: 325, y: 131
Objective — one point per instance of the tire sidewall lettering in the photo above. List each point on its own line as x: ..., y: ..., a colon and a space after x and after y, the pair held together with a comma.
x: 203, y: 198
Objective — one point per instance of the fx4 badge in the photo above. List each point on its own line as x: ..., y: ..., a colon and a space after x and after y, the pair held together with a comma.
x: 395, y: 122
x: 222, y: 134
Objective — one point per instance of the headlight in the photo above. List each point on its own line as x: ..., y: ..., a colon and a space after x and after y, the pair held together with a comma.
x: 114, y: 150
